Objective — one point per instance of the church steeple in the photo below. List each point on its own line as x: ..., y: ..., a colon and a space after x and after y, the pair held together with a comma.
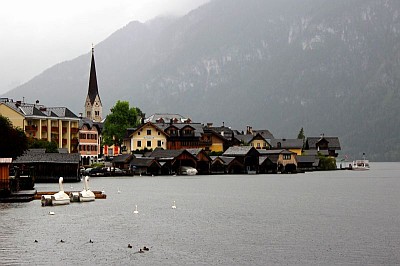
x: 93, y: 106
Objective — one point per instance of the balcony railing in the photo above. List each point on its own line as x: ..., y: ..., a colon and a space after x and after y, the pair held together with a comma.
x: 74, y: 130
x: 31, y: 128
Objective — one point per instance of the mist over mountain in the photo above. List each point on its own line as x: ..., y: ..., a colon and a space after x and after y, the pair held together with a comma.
x: 331, y: 67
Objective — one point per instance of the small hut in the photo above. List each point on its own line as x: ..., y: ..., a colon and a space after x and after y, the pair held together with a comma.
x: 4, y: 175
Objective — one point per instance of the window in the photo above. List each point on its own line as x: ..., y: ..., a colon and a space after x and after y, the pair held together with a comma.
x: 279, y: 145
x: 139, y: 143
x: 287, y: 157
x: 159, y: 133
x: 138, y: 133
x: 148, y: 132
x: 149, y: 143
x: 258, y: 145
x: 88, y: 114
x: 159, y: 143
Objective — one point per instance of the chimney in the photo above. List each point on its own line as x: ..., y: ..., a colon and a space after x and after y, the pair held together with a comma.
x: 249, y: 130
x: 209, y: 124
x: 80, y: 115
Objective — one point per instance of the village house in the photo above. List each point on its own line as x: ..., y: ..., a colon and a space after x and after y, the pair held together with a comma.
x: 53, y: 124
x: 326, y: 146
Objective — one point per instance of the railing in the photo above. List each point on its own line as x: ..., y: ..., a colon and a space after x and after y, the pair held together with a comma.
x: 44, y: 128
x: 31, y: 128
x: 54, y: 129
x: 74, y: 130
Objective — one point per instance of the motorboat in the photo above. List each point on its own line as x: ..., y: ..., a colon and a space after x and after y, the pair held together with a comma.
x: 187, y: 170
x: 60, y: 198
x: 86, y: 194
x: 360, y: 165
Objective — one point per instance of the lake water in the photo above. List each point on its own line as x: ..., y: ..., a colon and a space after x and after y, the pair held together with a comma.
x: 320, y: 218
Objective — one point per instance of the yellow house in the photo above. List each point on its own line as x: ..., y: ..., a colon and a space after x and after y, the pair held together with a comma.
x: 259, y: 142
x: 56, y: 124
x: 147, y: 136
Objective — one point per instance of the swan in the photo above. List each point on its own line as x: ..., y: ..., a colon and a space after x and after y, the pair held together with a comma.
x: 136, y: 211
x: 119, y: 191
x: 86, y: 194
x: 51, y: 213
x: 173, y: 205
x: 60, y: 198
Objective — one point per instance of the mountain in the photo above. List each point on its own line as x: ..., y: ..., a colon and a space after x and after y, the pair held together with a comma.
x: 331, y: 67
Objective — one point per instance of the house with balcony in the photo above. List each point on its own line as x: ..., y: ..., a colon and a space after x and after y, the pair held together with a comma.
x: 53, y: 124
x: 326, y: 146
x: 88, y: 142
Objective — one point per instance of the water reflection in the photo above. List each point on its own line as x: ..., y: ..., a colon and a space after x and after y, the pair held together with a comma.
x: 339, y: 217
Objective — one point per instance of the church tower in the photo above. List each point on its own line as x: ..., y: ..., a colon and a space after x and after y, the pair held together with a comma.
x: 93, y: 106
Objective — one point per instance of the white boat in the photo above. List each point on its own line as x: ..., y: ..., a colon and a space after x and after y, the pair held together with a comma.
x: 86, y: 194
x: 187, y: 170
x: 60, y: 198
x: 360, y: 165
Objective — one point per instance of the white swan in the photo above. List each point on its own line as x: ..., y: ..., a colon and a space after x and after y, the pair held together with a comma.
x: 173, y: 205
x: 86, y: 194
x: 60, y: 198
x: 136, y: 211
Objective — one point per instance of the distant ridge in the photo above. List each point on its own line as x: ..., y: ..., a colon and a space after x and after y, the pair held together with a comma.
x: 328, y: 66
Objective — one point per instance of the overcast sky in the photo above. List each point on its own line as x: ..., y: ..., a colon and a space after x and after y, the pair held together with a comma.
x: 36, y: 34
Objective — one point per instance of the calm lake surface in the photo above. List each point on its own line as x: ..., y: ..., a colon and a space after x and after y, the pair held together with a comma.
x: 320, y: 218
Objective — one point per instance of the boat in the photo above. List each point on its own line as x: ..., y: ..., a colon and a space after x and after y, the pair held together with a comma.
x: 86, y: 194
x: 360, y: 165
x: 187, y: 170
x: 60, y: 198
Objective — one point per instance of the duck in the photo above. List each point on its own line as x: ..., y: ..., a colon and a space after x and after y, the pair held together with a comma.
x: 136, y: 211
x: 62, y: 241
x: 141, y: 251
x: 145, y: 248
x: 90, y: 241
x: 129, y: 246
x: 174, y: 205
x: 36, y: 241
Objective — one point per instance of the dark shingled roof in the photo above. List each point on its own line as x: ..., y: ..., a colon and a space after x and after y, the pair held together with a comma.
x: 237, y: 151
x: 93, y: 90
x: 41, y: 157
x: 143, y: 162
x: 274, y: 152
x: 160, y: 153
x: 306, y: 158
x: 287, y: 143
x: 122, y: 158
x: 333, y: 142
x: 264, y: 132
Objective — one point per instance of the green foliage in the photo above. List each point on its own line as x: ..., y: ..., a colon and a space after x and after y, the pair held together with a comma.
x: 216, y: 153
x: 120, y: 118
x: 13, y: 141
x: 51, y: 147
x: 301, y: 134
x: 95, y: 165
x: 327, y: 163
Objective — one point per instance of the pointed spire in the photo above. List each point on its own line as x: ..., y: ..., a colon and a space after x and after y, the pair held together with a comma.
x: 93, y: 90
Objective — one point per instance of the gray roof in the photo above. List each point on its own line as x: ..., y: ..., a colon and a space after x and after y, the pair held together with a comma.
x: 237, y: 151
x: 244, y: 138
x: 143, y: 162
x: 41, y: 157
x: 166, y: 117
x: 225, y: 132
x: 62, y: 112
x: 287, y: 143
x: 333, y: 142
x: 198, y: 128
x: 122, y: 158
x: 274, y: 152
x: 264, y: 132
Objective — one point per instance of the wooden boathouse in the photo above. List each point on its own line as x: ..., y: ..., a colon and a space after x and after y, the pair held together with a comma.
x: 4, y: 175
x: 48, y: 167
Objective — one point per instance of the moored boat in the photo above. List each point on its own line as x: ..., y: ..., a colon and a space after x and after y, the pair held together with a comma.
x: 360, y: 165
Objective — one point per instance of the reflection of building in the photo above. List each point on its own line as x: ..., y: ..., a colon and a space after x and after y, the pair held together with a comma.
x: 57, y: 124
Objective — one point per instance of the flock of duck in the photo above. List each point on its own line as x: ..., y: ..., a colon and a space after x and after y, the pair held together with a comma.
x: 141, y: 250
